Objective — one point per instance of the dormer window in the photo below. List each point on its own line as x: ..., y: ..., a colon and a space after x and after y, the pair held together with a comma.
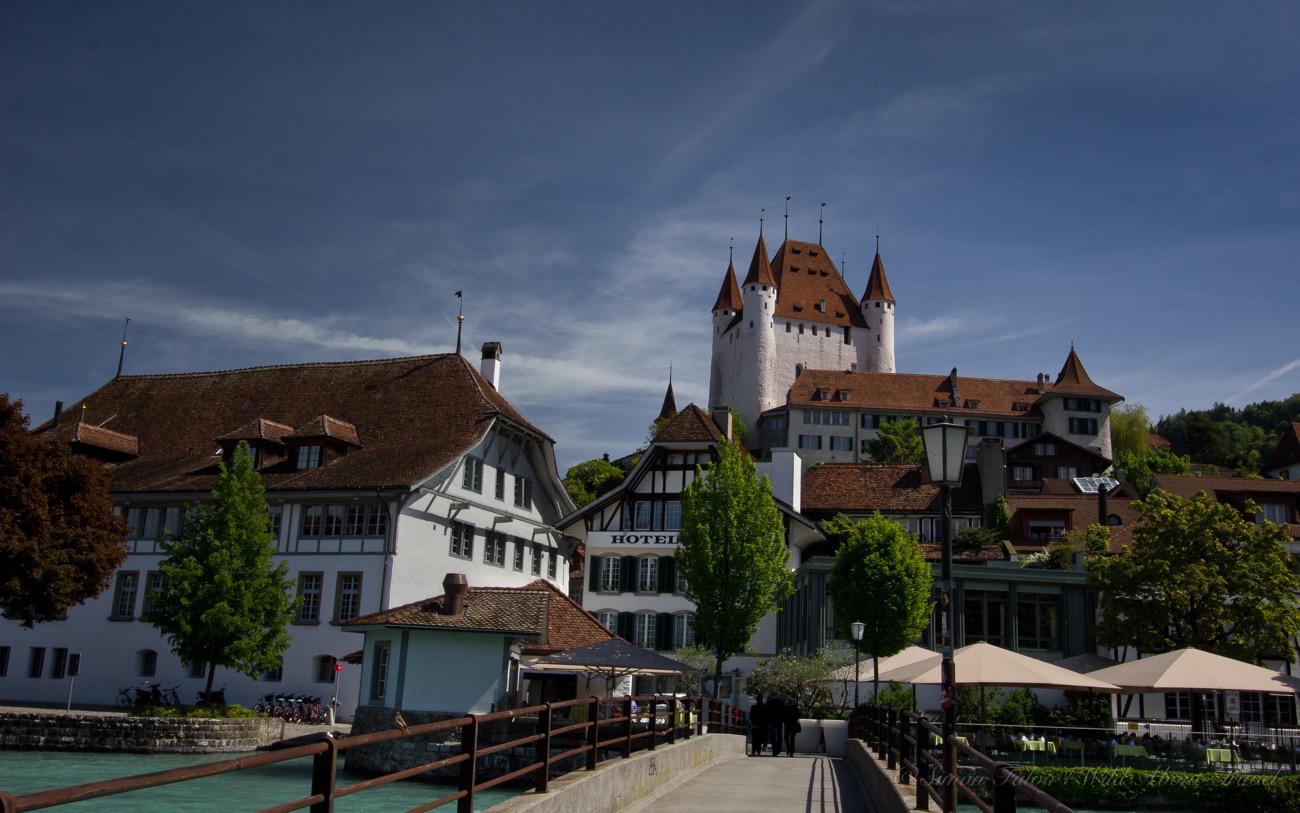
x: 308, y: 456
x: 823, y: 395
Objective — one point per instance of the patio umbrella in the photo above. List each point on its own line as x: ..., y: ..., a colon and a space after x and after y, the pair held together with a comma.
x: 1194, y: 670
x: 983, y: 664
x: 907, y: 657
x: 611, y: 659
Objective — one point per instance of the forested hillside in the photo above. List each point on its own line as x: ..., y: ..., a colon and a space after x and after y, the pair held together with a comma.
x: 1228, y: 437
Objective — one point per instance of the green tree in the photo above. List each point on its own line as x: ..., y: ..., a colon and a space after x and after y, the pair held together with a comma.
x: 1059, y: 554
x: 997, y: 518
x: 880, y: 577
x: 739, y: 430
x: 805, y: 680
x: 973, y: 540
x: 1129, y: 426
x: 1198, y: 574
x: 897, y: 442
x: 700, y: 658
x: 588, y: 480
x: 223, y: 601
x: 59, y: 540
x: 732, y: 553
x: 1140, y: 470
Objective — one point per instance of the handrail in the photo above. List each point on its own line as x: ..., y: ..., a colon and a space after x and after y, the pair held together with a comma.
x: 903, y: 737
x: 686, y: 717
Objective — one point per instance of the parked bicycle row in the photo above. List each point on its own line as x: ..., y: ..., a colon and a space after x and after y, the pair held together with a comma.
x: 293, y: 707
x: 153, y: 694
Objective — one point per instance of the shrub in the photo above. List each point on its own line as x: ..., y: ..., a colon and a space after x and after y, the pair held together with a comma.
x: 195, y: 712
x: 1130, y: 788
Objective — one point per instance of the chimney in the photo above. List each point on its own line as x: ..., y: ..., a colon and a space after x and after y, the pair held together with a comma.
x: 722, y: 417
x: 785, y: 471
x: 454, y: 588
x: 956, y: 393
x: 991, y: 461
x: 1040, y: 383
x: 491, y: 365
x: 58, y: 410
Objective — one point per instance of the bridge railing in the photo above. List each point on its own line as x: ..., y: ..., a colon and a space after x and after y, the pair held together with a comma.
x: 907, y: 741
x: 600, y: 725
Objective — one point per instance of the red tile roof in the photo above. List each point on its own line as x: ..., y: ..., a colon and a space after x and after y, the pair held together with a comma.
x: 1081, y: 510
x: 323, y: 426
x: 259, y: 429
x: 805, y: 277
x: 909, y: 392
x: 669, y: 407
x: 729, y: 293
x: 87, y: 434
x: 568, y: 626
x: 1074, y: 380
x: 413, y: 416
x: 857, y: 488
x: 1188, y: 486
x: 760, y: 269
x: 878, y: 283
x: 487, y: 609
x: 691, y: 425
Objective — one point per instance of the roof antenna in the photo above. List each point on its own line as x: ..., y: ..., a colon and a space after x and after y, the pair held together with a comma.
x: 460, y: 319
x: 842, y: 271
x: 731, y: 251
x: 820, y: 217
x: 787, y: 217
x: 761, y: 212
x: 877, y: 239
x: 121, y: 351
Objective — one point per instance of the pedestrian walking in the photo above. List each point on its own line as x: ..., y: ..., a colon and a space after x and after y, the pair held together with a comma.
x: 792, y: 726
x: 758, y: 726
x: 776, y: 723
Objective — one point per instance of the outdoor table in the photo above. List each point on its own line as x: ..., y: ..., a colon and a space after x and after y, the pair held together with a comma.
x: 1221, y: 756
x: 1120, y: 750
x: 935, y: 739
x: 1034, y: 746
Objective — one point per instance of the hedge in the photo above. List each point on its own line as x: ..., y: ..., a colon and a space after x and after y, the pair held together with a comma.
x: 194, y: 712
x: 1130, y: 788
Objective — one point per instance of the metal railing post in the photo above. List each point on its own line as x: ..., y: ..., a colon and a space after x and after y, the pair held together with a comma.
x: 654, y: 721
x: 923, y: 772
x: 544, y: 750
x: 891, y: 737
x: 882, y: 746
x: 593, y: 733
x: 324, y: 767
x: 627, y: 727
x: 468, y: 768
x: 672, y: 720
x: 1004, y: 789
x: 699, y: 715
x: 950, y: 774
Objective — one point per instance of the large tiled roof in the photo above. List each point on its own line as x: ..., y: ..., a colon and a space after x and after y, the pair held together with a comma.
x: 910, y: 392
x: 856, y: 488
x: 412, y: 417
x: 760, y: 267
x: 729, y: 293
x: 878, y: 283
x: 804, y: 277
x: 324, y: 426
x: 259, y: 429
x: 1187, y: 486
x: 568, y: 626
x: 691, y: 425
x: 1074, y: 380
x: 1288, y: 448
x: 539, y: 609
x: 487, y: 609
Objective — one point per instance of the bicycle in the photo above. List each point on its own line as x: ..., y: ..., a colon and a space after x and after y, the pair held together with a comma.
x: 170, y: 697
x: 216, y: 697
x: 125, y: 700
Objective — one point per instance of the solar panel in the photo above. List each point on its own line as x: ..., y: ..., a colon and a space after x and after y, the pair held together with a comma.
x: 1089, y: 485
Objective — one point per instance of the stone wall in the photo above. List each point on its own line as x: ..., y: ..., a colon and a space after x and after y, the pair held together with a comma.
x: 889, y: 796
x: 140, y: 735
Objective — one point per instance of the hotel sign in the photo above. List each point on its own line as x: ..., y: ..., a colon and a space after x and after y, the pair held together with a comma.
x: 631, y: 538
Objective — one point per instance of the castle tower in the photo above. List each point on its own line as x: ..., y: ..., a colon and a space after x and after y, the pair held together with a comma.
x: 756, y: 384
x: 725, y: 310
x: 878, y: 310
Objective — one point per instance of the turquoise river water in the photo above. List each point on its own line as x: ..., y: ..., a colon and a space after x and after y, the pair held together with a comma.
x: 28, y: 771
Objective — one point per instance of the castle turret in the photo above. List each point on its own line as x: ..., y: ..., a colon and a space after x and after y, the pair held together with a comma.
x: 725, y: 310
x: 756, y: 387
x: 878, y: 310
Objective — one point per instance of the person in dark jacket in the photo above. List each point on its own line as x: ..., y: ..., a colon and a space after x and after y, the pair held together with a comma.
x: 758, y: 724
x: 792, y: 726
x: 776, y: 723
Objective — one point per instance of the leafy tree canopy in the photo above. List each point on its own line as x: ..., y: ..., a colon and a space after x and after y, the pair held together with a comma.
x: 897, y: 442
x: 1199, y: 574
x: 1129, y: 427
x: 223, y: 601
x: 997, y: 518
x: 1228, y: 437
x: 588, y: 480
x: 880, y: 577
x: 59, y: 540
x: 732, y: 552
x: 805, y: 680
x: 1140, y: 468
x: 1059, y: 555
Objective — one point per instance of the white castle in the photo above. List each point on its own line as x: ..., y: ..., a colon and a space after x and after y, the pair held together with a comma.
x: 794, y: 313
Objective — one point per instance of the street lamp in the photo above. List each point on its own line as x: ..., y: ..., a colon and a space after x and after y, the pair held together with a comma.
x: 857, y: 628
x: 945, y: 456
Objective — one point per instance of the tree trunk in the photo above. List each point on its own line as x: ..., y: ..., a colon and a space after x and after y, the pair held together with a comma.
x: 875, y: 678
x: 212, y: 673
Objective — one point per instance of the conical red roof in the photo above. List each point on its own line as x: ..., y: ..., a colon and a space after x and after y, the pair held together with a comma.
x: 669, y: 407
x: 729, y: 294
x: 760, y: 269
x: 878, y: 283
x: 1074, y: 380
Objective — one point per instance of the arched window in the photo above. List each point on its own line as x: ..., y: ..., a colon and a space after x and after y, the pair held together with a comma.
x: 609, y: 619
x: 324, y: 668
x: 1114, y: 519
x: 147, y: 660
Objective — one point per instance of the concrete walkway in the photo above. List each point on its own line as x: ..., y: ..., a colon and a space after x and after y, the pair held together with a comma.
x: 804, y: 783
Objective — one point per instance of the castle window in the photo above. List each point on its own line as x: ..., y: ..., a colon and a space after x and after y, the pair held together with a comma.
x: 877, y: 304
x: 787, y: 327
x: 801, y: 330
x: 877, y: 338
x: 821, y: 306
x: 798, y: 368
x: 848, y: 335
x: 751, y: 324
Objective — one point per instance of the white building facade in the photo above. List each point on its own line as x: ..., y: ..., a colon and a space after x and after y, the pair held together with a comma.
x: 409, y: 469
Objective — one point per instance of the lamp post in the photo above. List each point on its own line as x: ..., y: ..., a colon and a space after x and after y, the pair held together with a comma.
x: 857, y: 628
x: 945, y: 456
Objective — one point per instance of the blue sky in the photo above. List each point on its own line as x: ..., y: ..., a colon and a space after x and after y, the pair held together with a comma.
x: 270, y: 183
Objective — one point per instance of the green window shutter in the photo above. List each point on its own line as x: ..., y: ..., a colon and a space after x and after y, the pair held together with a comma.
x: 627, y: 574
x: 667, y: 574
x: 626, y: 626
x: 664, y: 631
x: 593, y: 582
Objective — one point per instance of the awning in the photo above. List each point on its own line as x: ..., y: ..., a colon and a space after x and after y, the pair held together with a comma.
x: 612, y: 658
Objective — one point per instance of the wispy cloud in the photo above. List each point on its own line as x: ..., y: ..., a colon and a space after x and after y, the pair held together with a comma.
x: 1270, y: 376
